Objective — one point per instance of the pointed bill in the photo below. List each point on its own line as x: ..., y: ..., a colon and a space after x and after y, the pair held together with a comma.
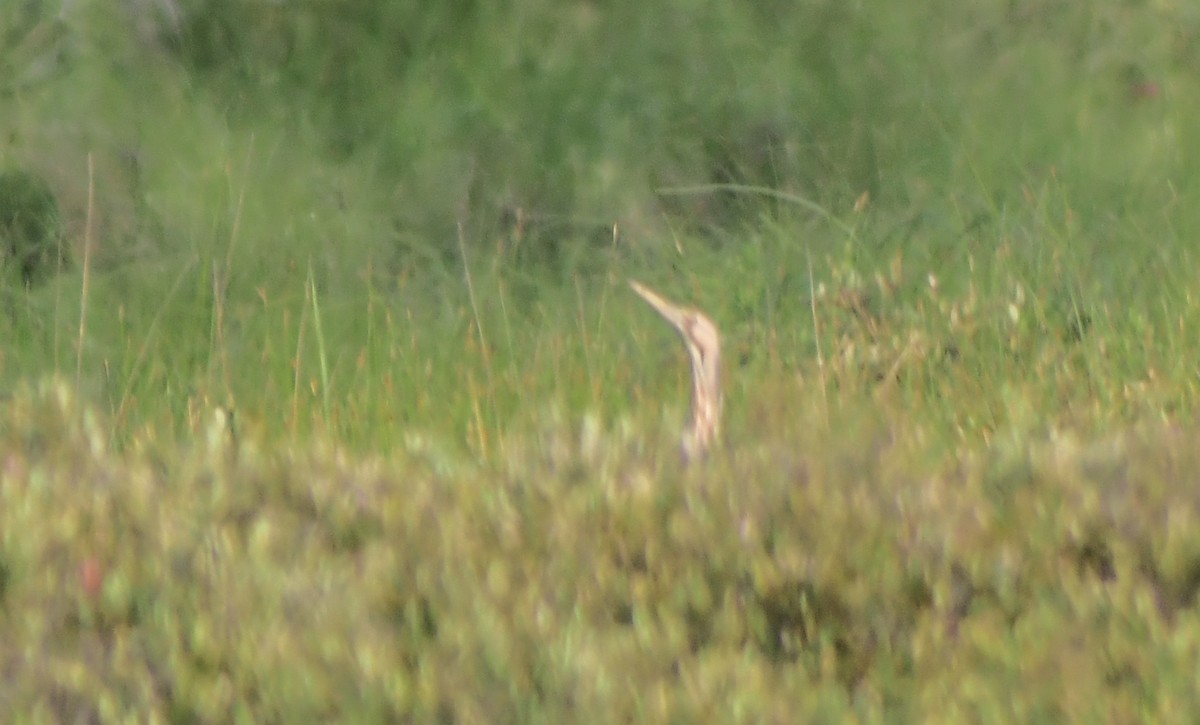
x: 673, y: 313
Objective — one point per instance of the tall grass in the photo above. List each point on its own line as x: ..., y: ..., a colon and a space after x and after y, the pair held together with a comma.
x: 948, y: 247
x: 742, y: 144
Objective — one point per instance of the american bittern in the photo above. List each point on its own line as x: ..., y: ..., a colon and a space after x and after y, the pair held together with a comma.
x: 703, y: 344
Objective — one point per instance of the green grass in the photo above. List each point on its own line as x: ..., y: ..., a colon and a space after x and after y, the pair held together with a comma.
x: 949, y: 249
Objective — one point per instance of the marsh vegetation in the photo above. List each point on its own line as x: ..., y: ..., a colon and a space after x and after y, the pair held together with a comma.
x: 325, y: 396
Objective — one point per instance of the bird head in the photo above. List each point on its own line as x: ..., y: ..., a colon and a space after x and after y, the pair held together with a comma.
x: 703, y: 343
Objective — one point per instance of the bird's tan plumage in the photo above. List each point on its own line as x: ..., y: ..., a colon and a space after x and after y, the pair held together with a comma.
x: 703, y: 343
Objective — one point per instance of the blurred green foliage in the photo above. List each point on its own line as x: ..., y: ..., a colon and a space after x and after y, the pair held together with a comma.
x: 948, y: 246
x: 31, y: 242
x: 584, y: 578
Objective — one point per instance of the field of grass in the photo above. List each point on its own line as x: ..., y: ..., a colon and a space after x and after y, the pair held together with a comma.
x: 323, y: 396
